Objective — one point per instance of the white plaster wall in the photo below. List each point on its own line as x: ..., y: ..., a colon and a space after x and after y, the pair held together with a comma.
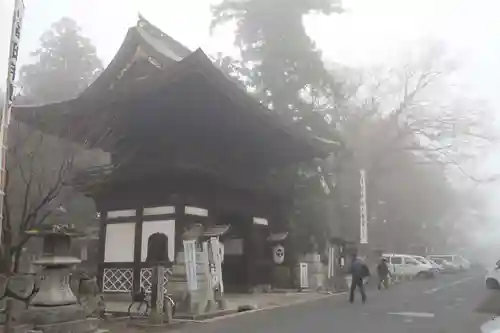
x: 190, y: 210
x: 159, y: 210
x: 260, y: 221
x: 165, y: 227
x: 121, y: 213
x: 119, y: 245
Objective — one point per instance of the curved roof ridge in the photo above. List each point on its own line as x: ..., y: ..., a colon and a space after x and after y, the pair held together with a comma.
x: 155, y: 43
x: 155, y: 32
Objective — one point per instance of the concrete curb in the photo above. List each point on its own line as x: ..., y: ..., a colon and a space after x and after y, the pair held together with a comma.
x: 223, y: 314
x: 183, y: 317
x: 205, y: 316
x: 271, y: 307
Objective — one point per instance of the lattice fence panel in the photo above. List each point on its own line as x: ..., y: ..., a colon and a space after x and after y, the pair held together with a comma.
x: 117, y: 280
x: 147, y: 277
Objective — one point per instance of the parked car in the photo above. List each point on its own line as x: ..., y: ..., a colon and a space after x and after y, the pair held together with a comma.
x: 407, y: 265
x: 433, y: 269
x: 493, y: 277
x: 491, y: 326
x: 457, y: 260
x: 437, y: 268
x: 447, y: 267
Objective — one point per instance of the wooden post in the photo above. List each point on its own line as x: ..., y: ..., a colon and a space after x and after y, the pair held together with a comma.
x: 102, y: 249
x: 139, y: 220
x: 157, y: 297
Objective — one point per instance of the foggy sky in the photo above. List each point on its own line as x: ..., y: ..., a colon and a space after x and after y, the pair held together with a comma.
x: 370, y: 32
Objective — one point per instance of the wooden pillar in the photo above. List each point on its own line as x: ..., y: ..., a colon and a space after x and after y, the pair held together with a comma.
x: 210, y: 220
x: 102, y: 248
x: 157, y: 291
x: 138, y: 249
x: 179, y: 225
x: 249, y: 256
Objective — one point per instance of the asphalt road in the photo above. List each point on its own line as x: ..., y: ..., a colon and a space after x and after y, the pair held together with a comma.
x: 443, y: 305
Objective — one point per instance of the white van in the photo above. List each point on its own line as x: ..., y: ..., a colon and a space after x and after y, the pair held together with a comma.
x: 459, y: 261
x: 407, y: 265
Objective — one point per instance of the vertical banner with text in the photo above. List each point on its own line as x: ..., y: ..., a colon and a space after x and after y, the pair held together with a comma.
x: 303, y: 275
x: 15, y: 38
x: 190, y: 262
x: 363, y: 219
x: 331, y: 262
x: 217, y: 257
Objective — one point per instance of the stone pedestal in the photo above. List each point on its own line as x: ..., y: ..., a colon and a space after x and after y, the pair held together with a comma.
x: 54, y: 309
x: 316, y: 271
x: 194, y: 301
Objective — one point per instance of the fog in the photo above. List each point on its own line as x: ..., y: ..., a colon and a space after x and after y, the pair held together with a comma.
x: 369, y: 34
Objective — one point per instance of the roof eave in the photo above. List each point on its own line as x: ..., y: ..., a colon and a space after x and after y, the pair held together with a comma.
x: 196, y: 62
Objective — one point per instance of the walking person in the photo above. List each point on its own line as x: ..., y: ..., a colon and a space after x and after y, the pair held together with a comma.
x: 383, y: 274
x: 359, y: 272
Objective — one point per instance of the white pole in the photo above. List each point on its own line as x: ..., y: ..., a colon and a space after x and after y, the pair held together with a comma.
x: 363, y: 218
x: 17, y: 19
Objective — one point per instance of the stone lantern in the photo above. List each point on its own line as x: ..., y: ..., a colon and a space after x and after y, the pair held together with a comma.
x: 55, y: 308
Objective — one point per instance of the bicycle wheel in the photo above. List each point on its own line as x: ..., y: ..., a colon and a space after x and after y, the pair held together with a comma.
x: 142, y: 310
x: 129, y: 314
x: 171, y: 302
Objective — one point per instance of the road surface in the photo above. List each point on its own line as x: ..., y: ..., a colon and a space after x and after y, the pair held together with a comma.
x: 442, y: 305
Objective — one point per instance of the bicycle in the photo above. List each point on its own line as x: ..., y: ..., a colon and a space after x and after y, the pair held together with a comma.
x: 143, y: 300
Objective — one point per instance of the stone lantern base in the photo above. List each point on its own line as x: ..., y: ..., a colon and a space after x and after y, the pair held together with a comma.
x: 54, y: 308
x: 60, y: 319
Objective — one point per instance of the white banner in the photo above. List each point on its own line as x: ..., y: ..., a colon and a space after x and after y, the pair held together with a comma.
x: 217, y: 257
x: 15, y: 38
x: 304, y: 276
x: 363, y: 219
x: 331, y: 262
x: 190, y: 262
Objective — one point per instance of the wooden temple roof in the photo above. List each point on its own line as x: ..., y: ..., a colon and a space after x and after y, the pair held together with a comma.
x: 156, y: 89
x: 146, y: 44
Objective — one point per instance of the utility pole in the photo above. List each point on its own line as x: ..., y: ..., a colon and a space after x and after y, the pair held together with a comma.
x: 17, y: 19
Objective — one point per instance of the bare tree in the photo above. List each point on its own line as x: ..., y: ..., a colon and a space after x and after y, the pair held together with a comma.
x: 411, y: 129
x: 39, y: 165
x: 416, y: 108
x: 39, y: 170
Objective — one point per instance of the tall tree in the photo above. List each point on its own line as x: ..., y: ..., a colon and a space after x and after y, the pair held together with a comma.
x: 285, y: 64
x: 39, y: 165
x: 386, y: 122
x: 66, y: 64
x: 281, y: 65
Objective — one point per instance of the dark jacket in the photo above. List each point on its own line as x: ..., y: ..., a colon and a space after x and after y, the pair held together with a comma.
x: 382, y: 269
x: 359, y: 270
